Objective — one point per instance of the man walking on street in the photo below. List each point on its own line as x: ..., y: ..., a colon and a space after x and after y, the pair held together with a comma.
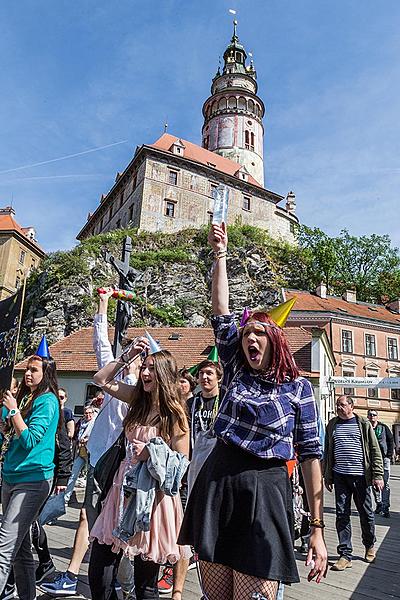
x: 353, y: 462
x: 386, y: 444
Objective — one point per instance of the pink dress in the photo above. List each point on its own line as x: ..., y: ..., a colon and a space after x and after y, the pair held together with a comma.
x: 158, y: 544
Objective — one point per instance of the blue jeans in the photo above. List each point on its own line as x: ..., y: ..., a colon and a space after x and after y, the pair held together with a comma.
x: 346, y: 488
x: 383, y: 497
x: 77, y: 467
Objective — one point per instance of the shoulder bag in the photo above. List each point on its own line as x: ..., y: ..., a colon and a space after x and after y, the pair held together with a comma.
x: 108, y: 465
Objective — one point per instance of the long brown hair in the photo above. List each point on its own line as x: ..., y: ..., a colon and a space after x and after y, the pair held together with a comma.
x: 48, y: 383
x: 283, y: 366
x: 166, y: 393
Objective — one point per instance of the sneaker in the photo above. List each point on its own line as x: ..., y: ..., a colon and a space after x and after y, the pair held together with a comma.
x: 166, y: 582
x: 378, y: 508
x: 342, y: 564
x: 44, y: 570
x: 193, y: 561
x: 63, y: 585
x: 117, y: 586
x: 9, y: 592
x: 386, y: 514
x: 370, y: 554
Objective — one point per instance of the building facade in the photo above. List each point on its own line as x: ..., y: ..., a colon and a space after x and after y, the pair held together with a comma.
x: 365, y: 339
x: 168, y: 185
x: 19, y: 252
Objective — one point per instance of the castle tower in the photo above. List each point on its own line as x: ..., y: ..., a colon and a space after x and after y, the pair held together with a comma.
x: 233, y: 113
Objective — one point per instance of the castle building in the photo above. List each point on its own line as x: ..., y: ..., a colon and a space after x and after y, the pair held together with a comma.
x: 168, y: 185
x: 19, y: 252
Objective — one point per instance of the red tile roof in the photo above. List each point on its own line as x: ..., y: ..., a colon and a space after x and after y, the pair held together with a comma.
x: 8, y: 223
x: 308, y: 302
x: 201, y: 155
x: 74, y: 353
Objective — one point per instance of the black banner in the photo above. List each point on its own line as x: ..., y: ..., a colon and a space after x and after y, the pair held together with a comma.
x: 10, y: 314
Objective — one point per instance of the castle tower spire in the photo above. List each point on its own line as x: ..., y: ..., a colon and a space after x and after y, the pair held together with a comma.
x: 233, y: 113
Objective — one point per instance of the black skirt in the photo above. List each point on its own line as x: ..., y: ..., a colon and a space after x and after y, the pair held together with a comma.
x: 240, y: 515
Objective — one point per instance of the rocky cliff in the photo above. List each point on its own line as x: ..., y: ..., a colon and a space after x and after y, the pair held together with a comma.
x: 171, y: 276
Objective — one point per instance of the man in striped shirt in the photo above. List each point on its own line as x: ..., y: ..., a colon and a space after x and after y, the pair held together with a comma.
x: 353, y: 463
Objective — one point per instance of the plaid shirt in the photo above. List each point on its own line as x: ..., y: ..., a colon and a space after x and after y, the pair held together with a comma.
x: 267, y: 419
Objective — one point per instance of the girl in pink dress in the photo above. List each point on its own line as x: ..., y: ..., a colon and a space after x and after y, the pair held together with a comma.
x: 155, y: 410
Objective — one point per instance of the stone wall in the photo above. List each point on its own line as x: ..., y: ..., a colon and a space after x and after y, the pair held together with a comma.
x: 62, y: 297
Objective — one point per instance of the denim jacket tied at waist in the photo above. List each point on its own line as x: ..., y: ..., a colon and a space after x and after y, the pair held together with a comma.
x: 162, y: 471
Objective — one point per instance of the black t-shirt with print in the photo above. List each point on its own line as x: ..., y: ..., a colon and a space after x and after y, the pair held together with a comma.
x: 204, y: 412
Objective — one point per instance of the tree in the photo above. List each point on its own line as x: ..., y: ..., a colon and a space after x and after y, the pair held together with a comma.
x: 368, y: 264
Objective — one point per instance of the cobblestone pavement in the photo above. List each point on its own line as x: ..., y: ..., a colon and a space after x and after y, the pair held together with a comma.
x: 379, y: 581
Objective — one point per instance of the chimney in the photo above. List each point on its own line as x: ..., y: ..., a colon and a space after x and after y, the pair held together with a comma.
x: 394, y: 306
x: 291, y: 202
x: 350, y: 296
x: 321, y: 290
x: 7, y: 210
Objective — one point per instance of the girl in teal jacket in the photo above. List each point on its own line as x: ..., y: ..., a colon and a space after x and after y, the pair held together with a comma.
x: 27, y: 457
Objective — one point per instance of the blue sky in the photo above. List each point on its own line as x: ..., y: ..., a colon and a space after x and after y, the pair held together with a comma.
x: 80, y: 74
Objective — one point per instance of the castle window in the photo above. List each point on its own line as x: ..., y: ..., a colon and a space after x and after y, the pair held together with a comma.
x: 193, y: 182
x: 210, y: 217
x: 251, y: 141
x: 18, y: 281
x: 118, y: 224
x: 246, y: 202
x: 213, y: 187
x: 169, y: 208
x: 130, y: 218
x: 206, y: 142
x: 172, y: 177
x: 238, y: 57
x: 247, y: 139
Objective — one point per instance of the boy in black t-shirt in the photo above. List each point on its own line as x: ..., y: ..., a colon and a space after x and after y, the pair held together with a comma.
x: 203, y: 407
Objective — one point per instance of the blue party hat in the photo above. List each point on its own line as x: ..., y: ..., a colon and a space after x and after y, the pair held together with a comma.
x: 43, y: 350
x: 154, y: 346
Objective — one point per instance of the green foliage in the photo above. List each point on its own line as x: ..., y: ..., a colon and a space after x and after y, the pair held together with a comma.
x: 153, y: 258
x: 168, y: 314
x: 63, y: 265
x: 367, y: 264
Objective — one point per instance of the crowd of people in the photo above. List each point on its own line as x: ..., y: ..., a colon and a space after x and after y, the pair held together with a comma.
x: 185, y: 469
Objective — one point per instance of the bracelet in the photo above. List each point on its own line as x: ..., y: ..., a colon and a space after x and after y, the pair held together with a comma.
x: 220, y: 254
x: 317, y: 523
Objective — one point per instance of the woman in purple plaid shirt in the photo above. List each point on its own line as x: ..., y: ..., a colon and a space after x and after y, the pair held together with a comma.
x: 239, y: 516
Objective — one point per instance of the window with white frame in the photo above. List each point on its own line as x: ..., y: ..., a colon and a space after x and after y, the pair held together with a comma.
x: 347, y: 341
x: 393, y: 352
x: 348, y: 391
x: 370, y: 344
x: 372, y: 392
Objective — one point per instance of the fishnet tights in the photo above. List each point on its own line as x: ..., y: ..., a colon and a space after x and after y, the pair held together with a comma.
x: 222, y: 583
